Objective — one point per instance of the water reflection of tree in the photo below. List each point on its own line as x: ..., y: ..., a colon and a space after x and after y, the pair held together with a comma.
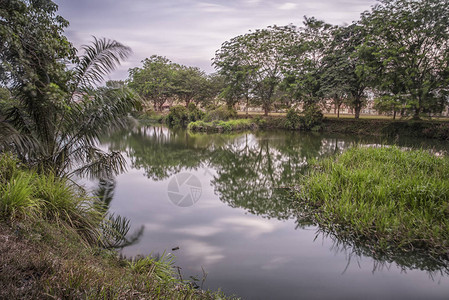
x: 251, y: 173
x: 254, y: 172
x: 410, y: 260
x: 115, y: 230
x: 160, y: 152
x: 356, y: 248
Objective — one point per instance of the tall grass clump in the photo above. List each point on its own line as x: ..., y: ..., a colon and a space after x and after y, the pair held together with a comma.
x: 46, y: 197
x: 16, y: 196
x: 388, y: 197
x: 223, y: 126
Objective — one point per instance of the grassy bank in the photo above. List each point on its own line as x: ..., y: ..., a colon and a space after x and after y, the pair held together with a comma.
x: 223, y: 126
x: 56, y: 242
x: 382, y: 127
x: 386, y: 197
x: 367, y: 125
x: 375, y: 127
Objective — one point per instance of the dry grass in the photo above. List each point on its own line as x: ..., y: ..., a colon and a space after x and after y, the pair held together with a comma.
x: 40, y: 261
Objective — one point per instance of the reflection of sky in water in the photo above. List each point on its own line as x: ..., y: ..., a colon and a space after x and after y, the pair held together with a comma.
x: 252, y: 256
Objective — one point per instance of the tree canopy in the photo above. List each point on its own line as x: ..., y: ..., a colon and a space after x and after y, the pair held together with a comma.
x: 397, y: 53
x: 160, y: 80
x: 56, y: 115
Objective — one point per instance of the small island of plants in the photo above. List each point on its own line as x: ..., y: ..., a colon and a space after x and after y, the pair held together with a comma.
x: 388, y: 198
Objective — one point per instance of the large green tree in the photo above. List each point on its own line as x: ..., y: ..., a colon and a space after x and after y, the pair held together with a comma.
x: 190, y: 84
x: 56, y: 116
x: 410, y: 42
x: 346, y: 75
x: 252, y: 64
x: 155, y: 81
x: 304, y: 64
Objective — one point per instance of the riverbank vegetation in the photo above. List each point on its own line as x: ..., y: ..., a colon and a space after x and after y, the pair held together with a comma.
x: 223, y: 126
x: 58, y: 242
x: 387, y: 197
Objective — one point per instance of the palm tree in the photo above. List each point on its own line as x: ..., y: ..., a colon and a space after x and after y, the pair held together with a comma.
x: 60, y: 132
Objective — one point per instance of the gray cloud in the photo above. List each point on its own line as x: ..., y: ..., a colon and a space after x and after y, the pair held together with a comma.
x: 187, y: 31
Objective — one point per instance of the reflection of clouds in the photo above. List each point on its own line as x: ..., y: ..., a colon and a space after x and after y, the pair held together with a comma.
x: 202, y: 231
x: 202, y: 251
x: 275, y: 263
x: 241, y: 225
x: 252, y: 227
x: 154, y: 227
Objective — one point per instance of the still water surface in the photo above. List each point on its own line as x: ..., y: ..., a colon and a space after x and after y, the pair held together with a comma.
x: 222, y: 200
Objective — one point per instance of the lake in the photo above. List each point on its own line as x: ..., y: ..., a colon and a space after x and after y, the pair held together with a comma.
x: 222, y: 202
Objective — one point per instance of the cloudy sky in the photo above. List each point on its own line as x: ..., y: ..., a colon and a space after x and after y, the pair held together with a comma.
x: 190, y: 31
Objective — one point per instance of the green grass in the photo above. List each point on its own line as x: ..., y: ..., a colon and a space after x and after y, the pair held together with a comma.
x: 388, y: 197
x: 223, y: 126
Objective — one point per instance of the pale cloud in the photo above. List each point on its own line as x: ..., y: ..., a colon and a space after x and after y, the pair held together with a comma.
x: 288, y: 6
x: 189, y: 32
x: 214, y: 8
x: 253, y: 2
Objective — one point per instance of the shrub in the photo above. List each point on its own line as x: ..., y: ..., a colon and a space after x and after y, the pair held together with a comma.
x: 223, y: 126
x: 195, y: 114
x: 16, y: 198
x: 161, y: 268
x: 312, y: 118
x: 292, y: 120
x: 222, y: 113
x: 178, y: 116
x: 8, y: 166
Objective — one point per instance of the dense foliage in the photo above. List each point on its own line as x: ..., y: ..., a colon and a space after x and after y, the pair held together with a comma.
x: 397, y: 54
x: 55, y: 114
x: 161, y: 82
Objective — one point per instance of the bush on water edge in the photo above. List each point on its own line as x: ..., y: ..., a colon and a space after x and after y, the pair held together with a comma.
x: 223, y: 126
x: 388, y: 197
x: 56, y: 242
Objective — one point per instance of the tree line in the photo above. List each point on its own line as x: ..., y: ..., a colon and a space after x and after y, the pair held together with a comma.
x: 397, y: 54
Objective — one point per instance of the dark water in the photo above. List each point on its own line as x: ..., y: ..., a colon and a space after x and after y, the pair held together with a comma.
x: 222, y: 200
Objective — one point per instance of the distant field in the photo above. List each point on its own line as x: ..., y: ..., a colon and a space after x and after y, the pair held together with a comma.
x: 342, y: 116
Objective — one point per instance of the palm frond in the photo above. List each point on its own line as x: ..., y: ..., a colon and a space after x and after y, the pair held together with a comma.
x: 99, y: 59
x: 97, y: 163
x: 14, y: 141
x: 115, y: 230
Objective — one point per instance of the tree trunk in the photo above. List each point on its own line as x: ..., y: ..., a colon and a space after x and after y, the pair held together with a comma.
x: 357, y: 110
x: 394, y: 114
x: 417, y: 113
x: 338, y: 111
